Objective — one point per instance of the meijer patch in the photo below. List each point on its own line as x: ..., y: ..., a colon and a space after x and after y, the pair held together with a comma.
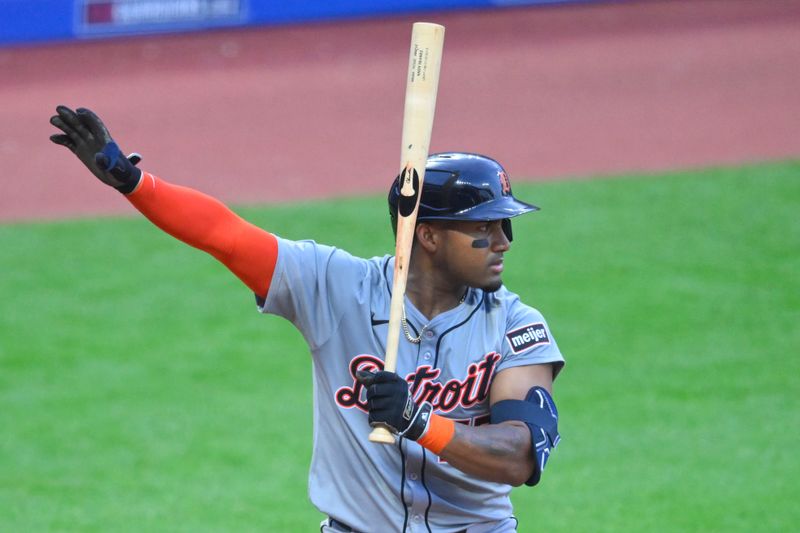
x: 527, y: 337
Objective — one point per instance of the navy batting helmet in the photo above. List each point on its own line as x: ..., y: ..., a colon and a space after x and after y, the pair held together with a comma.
x: 462, y: 186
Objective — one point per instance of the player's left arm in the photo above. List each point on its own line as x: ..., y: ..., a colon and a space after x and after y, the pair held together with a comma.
x: 506, y: 451
x: 512, y: 449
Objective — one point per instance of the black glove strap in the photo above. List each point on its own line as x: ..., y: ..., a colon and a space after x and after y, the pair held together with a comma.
x: 122, y: 168
x: 419, y: 423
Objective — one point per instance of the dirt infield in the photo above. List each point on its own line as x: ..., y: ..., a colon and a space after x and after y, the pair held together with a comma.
x: 274, y: 114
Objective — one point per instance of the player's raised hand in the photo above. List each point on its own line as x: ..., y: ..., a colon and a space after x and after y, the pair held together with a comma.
x: 87, y: 137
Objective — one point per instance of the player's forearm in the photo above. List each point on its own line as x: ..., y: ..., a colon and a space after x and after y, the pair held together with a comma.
x: 494, y: 452
x: 206, y: 223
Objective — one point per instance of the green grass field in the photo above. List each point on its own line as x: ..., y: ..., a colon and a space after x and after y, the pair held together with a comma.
x: 141, y: 391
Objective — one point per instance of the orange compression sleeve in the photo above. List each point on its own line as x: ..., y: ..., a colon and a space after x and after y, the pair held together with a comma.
x: 440, y: 432
x: 206, y: 223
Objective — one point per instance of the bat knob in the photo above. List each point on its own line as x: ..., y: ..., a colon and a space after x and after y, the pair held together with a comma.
x: 381, y: 436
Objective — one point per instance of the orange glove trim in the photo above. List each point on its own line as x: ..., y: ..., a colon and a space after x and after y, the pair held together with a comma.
x: 440, y: 432
x: 207, y: 224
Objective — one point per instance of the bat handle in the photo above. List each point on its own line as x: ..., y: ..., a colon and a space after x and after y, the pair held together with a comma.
x: 381, y: 435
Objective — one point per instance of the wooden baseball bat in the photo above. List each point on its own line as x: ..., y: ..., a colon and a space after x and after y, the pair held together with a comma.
x: 422, y: 83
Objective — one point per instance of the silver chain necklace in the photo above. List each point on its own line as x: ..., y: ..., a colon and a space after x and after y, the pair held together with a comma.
x: 418, y: 338
x: 411, y: 339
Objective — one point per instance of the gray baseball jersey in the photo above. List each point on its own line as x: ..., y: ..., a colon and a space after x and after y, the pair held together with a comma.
x: 340, y: 303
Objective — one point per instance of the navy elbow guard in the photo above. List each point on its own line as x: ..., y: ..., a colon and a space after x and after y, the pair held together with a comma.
x: 538, y: 412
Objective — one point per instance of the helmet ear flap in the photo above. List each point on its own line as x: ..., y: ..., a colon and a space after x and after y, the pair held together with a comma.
x: 506, y: 226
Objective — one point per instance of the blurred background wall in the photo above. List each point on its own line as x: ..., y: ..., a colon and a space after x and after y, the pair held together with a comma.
x: 293, y: 111
x: 26, y: 21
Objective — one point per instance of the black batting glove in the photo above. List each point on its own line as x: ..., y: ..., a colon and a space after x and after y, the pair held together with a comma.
x: 391, y: 405
x: 87, y: 137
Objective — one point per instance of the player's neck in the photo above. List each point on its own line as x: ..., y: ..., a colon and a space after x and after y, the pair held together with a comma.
x: 430, y: 297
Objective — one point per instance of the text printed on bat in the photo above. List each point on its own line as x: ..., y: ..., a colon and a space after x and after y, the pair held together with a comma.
x: 419, y: 68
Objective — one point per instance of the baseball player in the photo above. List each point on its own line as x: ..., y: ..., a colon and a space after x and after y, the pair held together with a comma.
x: 470, y: 401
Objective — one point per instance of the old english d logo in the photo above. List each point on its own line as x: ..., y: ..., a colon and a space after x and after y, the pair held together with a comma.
x: 505, y: 183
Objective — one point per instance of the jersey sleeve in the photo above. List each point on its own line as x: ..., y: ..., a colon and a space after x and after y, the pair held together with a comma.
x: 527, y: 340
x: 313, y: 286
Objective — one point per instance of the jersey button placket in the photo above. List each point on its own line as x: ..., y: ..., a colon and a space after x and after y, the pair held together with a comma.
x: 414, y: 461
x: 427, y: 346
x: 419, y: 499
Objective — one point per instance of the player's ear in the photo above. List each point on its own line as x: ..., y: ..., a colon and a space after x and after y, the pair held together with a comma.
x: 428, y: 236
